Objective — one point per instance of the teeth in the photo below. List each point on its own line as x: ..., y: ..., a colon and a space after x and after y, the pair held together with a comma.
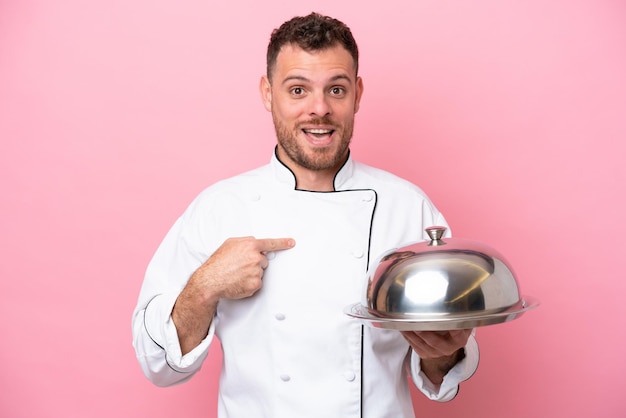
x: 318, y: 131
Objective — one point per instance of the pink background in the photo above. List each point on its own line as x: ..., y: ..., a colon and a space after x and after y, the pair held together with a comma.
x: 115, y: 114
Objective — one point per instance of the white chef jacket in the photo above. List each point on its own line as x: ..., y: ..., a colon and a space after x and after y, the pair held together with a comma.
x: 290, y: 350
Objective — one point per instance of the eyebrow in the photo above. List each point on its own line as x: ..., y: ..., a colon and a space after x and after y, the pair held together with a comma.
x: 302, y: 78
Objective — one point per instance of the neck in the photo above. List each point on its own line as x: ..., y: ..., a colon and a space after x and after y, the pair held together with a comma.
x: 307, y: 179
x: 315, y: 181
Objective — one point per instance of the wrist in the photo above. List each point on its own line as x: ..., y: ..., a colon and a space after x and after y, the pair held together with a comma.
x: 436, y: 368
x: 450, y: 361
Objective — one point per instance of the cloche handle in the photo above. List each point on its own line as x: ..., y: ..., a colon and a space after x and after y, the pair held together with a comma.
x: 436, y: 233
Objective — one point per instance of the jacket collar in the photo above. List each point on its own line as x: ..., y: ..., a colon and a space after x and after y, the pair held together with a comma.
x: 285, y: 176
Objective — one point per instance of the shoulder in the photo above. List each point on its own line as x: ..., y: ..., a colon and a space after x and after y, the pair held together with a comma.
x: 386, y: 182
x: 237, y: 183
x: 227, y: 192
x: 403, y: 209
x: 394, y: 193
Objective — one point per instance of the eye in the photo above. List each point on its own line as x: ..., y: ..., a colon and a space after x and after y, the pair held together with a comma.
x: 337, y: 91
x: 297, y: 91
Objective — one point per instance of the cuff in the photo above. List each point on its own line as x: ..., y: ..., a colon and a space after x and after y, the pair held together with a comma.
x: 449, y: 388
x: 162, y: 330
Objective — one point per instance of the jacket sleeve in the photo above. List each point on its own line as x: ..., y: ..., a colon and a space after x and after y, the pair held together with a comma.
x: 449, y: 388
x: 155, y: 338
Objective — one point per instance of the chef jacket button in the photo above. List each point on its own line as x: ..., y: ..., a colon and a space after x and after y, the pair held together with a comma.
x: 357, y: 254
x: 368, y: 197
x: 270, y: 255
x: 285, y: 377
x: 349, y: 375
x: 279, y: 316
x: 255, y: 197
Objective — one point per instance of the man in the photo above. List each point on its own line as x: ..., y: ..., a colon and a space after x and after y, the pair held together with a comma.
x: 276, y: 302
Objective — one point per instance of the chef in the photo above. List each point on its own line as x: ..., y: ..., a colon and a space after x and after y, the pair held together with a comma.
x: 268, y: 260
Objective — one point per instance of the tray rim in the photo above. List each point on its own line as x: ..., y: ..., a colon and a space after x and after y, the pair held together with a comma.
x: 441, y: 323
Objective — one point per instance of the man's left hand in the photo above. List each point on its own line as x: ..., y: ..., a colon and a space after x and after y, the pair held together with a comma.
x: 439, y: 351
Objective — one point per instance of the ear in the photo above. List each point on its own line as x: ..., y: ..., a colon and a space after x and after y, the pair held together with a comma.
x: 266, y: 93
x: 359, y: 93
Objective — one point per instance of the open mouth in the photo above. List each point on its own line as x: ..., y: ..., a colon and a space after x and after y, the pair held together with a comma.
x: 319, y: 133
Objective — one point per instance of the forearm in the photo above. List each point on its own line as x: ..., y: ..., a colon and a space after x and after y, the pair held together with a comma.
x: 192, y: 320
x: 195, y: 307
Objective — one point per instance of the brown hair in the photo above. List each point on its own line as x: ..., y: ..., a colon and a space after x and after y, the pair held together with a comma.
x: 311, y: 33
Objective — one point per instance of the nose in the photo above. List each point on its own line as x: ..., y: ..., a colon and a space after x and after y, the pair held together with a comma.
x: 320, y: 106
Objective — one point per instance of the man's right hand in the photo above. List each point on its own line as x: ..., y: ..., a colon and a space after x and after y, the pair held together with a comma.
x: 233, y: 271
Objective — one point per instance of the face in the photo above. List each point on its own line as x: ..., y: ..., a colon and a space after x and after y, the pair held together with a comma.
x: 313, y: 97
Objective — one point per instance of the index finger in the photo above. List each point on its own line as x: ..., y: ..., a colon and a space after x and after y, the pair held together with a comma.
x: 275, y: 244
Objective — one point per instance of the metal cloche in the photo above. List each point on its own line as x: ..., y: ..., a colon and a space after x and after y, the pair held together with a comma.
x: 440, y: 285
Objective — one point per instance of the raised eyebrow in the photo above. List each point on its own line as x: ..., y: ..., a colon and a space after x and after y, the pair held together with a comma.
x: 341, y: 77
x: 295, y: 78
x: 306, y: 80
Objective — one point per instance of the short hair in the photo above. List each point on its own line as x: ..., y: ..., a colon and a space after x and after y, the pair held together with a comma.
x: 314, y: 32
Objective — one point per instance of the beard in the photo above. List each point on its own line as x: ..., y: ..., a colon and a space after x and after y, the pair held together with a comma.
x: 316, y: 159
